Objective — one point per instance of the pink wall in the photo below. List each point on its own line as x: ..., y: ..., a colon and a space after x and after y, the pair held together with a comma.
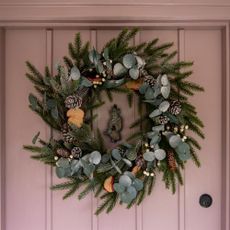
x: 27, y: 202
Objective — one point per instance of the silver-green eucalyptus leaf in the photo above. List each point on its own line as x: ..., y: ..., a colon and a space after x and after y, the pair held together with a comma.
x: 119, y: 70
x: 174, y: 141
x: 125, y: 180
x: 160, y: 154
x: 155, y: 113
x: 75, y: 73
x: 163, y: 107
x: 165, y: 91
x: 134, y: 73
x: 119, y: 188
x: 129, y: 61
x: 149, y: 156
x: 116, y: 154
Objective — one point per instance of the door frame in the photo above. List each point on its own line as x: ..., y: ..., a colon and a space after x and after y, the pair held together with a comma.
x: 179, y: 22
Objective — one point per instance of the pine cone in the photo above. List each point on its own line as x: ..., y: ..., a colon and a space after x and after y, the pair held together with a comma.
x: 73, y: 101
x: 163, y: 119
x: 150, y: 81
x: 66, y: 135
x: 171, y: 161
x: 76, y: 152
x: 175, y: 107
x: 63, y: 152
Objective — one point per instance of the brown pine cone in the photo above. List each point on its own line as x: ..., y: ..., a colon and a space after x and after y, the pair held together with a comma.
x: 73, y: 101
x: 175, y: 107
x: 63, y: 153
x: 171, y: 161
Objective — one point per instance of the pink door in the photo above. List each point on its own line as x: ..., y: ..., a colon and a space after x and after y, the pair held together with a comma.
x: 29, y: 204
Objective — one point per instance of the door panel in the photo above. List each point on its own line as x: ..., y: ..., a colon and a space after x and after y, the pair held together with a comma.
x: 25, y: 187
x: 71, y: 213
x: 27, y: 202
x: 204, y: 47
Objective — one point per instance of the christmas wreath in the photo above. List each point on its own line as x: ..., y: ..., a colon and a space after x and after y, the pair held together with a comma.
x: 67, y: 101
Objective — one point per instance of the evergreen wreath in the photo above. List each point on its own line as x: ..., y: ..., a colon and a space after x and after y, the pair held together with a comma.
x: 66, y: 103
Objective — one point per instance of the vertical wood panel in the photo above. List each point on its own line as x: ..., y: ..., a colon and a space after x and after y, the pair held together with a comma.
x: 181, y: 189
x: 70, y: 214
x: 120, y: 218
x: 204, y: 47
x: 94, y: 201
x: 2, y: 129
x: 161, y: 204
x: 25, y: 194
x: 48, y: 132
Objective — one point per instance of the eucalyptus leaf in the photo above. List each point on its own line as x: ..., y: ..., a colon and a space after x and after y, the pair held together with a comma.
x: 126, y: 197
x: 143, y: 88
x: 63, y: 163
x: 140, y: 62
x: 134, y: 73
x: 75, y: 166
x: 114, y: 83
x: 99, y: 67
x: 183, y: 151
x: 129, y: 61
x: 157, y: 91
x: 137, y: 184
x: 125, y: 181
x: 163, y: 107
x: 149, y: 156
x: 94, y: 56
x: 88, y: 170
x: 164, y: 80
x: 165, y: 91
x: 160, y: 154
x: 149, y: 94
x: 174, y: 141
x: 119, y: 70
x: 129, y: 174
x: 95, y: 157
x: 75, y: 73
x: 132, y: 192
x: 85, y: 82
x: 60, y: 172
x: 128, y: 162
x: 150, y: 135
x: 106, y: 53
x: 158, y: 128
x: 155, y: 113
x: 119, y: 188
x: 116, y: 154
x: 155, y: 139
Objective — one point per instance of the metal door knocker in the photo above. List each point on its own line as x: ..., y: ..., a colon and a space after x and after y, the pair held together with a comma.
x: 115, y: 125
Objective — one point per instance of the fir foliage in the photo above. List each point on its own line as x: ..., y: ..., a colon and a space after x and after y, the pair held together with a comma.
x: 49, y: 104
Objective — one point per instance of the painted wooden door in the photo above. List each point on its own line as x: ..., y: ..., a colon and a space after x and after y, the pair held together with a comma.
x: 29, y: 204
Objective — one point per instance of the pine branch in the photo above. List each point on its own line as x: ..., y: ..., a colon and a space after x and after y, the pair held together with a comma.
x: 34, y: 71
x: 195, y: 157
x: 193, y: 142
